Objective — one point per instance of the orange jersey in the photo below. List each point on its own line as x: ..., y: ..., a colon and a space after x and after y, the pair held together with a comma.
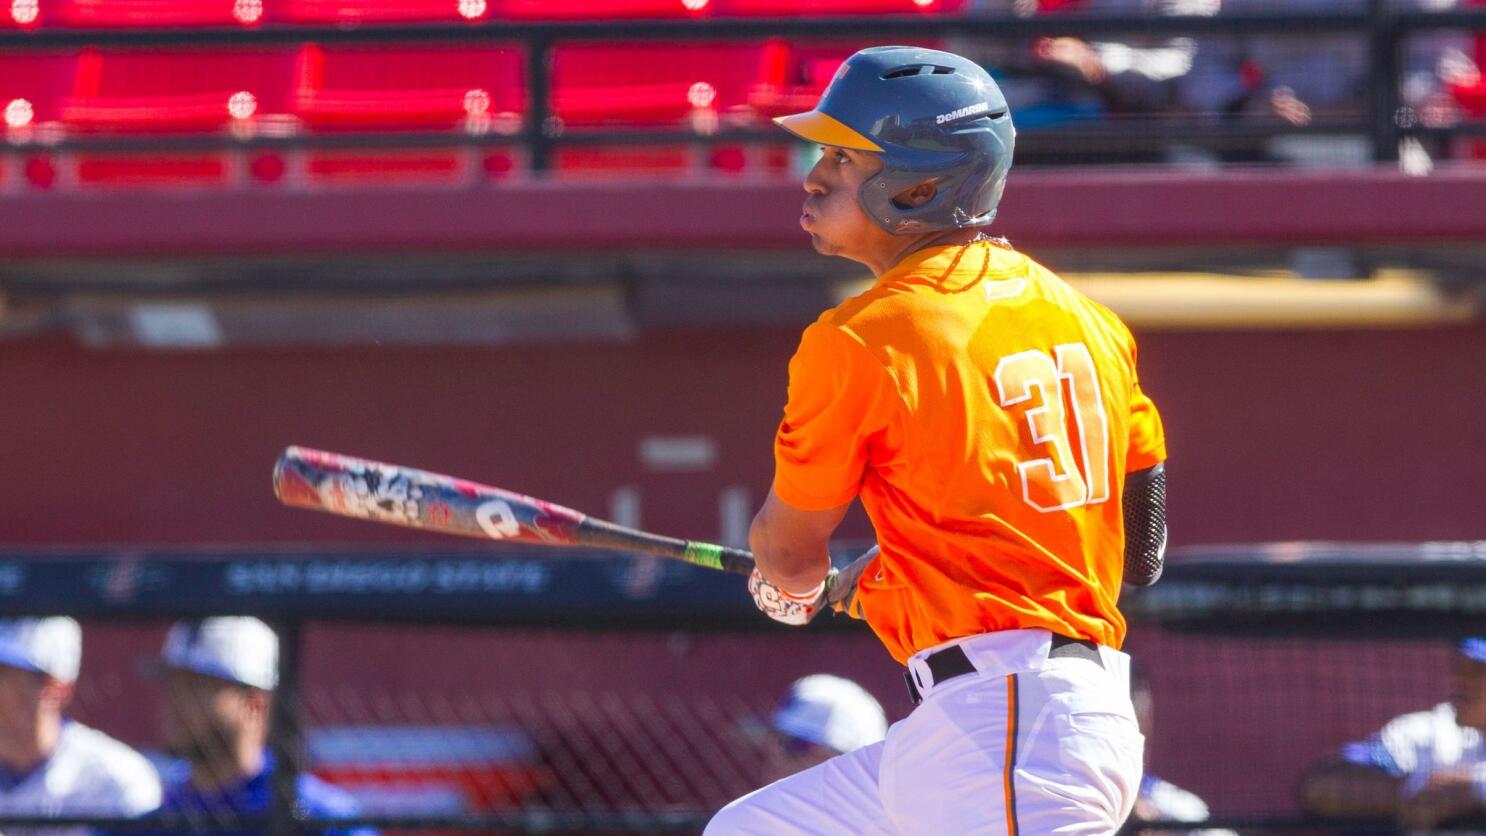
x: 986, y: 413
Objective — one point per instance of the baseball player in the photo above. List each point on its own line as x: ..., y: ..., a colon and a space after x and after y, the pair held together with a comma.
x: 219, y: 679
x: 1426, y: 769
x: 51, y: 765
x: 819, y: 717
x: 989, y: 418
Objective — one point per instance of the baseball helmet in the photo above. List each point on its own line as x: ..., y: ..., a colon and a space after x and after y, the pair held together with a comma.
x: 931, y: 115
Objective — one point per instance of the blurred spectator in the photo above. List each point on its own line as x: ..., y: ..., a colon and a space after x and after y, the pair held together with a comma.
x: 1425, y: 769
x: 219, y: 679
x: 1292, y: 78
x: 1297, y: 79
x: 51, y: 765
x: 1159, y: 799
x: 1128, y: 74
x: 1064, y: 80
x: 820, y: 717
x: 1287, y: 77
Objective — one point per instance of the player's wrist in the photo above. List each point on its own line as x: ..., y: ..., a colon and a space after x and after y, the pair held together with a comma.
x: 780, y: 605
x: 804, y: 597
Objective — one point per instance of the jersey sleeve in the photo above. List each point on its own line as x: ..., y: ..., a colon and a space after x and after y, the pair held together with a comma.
x: 840, y: 400
x: 1147, y: 436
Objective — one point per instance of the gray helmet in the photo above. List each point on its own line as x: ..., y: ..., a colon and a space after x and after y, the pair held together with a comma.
x: 932, y: 115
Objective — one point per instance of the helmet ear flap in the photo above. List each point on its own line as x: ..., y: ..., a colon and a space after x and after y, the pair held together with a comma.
x: 878, y: 198
x: 913, y: 199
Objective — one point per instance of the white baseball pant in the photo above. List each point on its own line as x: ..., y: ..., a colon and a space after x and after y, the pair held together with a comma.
x: 1027, y: 745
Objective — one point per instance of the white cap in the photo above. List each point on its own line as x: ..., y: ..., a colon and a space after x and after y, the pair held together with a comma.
x: 830, y: 711
x: 51, y: 646
x: 238, y: 648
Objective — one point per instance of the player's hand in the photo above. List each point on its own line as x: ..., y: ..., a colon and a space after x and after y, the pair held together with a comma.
x: 841, y: 587
x: 785, y: 607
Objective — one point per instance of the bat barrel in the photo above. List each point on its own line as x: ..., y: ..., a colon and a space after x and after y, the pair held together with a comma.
x: 370, y: 490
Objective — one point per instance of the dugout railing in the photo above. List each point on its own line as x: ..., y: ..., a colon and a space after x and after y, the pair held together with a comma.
x: 1384, y: 119
x: 1264, y: 656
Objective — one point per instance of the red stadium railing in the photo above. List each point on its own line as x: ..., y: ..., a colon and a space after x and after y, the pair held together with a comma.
x: 464, y: 95
x: 195, y: 13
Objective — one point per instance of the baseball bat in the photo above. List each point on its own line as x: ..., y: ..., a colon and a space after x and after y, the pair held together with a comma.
x: 370, y: 490
x: 389, y: 493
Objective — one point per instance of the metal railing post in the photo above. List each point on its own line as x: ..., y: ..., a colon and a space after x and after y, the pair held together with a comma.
x: 539, y: 132
x: 1384, y: 110
x: 285, y: 738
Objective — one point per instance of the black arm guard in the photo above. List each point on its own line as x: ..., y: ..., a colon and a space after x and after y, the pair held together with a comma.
x: 1145, y: 525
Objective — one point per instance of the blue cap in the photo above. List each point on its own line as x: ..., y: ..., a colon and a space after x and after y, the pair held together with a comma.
x: 1473, y: 648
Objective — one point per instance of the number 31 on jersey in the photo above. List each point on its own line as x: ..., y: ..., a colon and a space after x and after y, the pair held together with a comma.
x: 1065, y: 478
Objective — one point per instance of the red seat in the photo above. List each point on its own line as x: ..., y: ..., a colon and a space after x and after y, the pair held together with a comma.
x: 33, y: 87
x: 665, y: 84
x: 677, y: 86
x: 178, y: 91
x: 130, y: 13
x: 797, y: 8
x: 476, y: 89
x: 382, y: 11
x: 604, y: 9
x: 402, y: 88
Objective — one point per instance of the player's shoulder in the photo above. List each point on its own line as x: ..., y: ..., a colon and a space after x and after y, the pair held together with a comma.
x: 1072, y: 298
x: 89, y: 744
x: 1430, y: 721
x: 106, y: 765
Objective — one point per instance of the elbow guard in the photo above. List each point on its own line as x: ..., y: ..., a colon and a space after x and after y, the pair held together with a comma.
x: 1145, y: 525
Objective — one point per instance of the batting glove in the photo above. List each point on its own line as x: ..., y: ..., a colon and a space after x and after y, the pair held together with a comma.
x: 782, y: 606
x: 841, y: 586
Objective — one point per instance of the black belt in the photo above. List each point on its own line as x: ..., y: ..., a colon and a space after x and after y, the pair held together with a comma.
x: 951, y: 662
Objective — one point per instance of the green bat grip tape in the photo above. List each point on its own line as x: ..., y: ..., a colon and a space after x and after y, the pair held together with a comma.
x: 704, y: 554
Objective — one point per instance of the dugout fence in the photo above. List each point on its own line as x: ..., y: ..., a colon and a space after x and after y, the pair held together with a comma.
x: 456, y: 691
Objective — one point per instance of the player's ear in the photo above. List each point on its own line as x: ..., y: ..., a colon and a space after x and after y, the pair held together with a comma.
x: 57, y: 692
x: 916, y: 196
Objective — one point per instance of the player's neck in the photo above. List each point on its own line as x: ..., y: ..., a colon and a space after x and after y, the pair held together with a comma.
x: 914, y: 243
x: 22, y: 754
x: 235, y: 764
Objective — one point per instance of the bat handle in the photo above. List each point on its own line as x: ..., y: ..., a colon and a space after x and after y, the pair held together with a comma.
x: 713, y: 556
x: 844, y: 584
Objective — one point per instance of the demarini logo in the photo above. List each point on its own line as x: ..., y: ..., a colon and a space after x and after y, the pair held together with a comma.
x: 969, y: 110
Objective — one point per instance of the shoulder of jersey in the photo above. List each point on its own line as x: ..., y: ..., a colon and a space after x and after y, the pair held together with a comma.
x: 1422, y: 727
x: 1084, y: 299
x: 107, y: 755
